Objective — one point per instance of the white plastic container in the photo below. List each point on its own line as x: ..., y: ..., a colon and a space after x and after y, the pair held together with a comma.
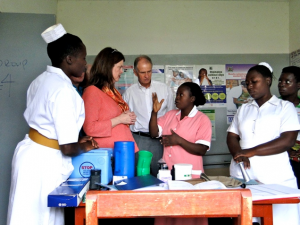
x: 164, y: 175
x: 183, y: 171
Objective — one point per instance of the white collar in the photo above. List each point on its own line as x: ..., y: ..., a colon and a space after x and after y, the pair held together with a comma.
x: 59, y: 72
x: 192, y: 113
x: 273, y: 100
x: 142, y: 87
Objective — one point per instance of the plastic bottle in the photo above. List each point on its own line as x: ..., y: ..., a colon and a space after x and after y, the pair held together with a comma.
x: 164, y: 175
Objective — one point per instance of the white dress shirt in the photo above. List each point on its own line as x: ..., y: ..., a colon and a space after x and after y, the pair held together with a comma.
x: 139, y: 100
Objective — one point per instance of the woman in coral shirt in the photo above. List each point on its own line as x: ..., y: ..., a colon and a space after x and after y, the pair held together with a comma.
x: 107, y: 115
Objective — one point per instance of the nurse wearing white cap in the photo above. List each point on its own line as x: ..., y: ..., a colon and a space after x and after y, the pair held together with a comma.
x: 260, y: 134
x: 55, y: 114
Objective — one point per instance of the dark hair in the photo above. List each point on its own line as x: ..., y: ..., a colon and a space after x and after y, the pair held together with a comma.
x: 136, y: 61
x: 196, y: 91
x: 59, y: 49
x: 294, y: 70
x: 101, y: 71
x: 263, y: 70
x: 201, y: 70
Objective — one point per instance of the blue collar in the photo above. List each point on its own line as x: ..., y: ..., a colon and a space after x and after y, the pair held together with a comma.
x: 79, y: 89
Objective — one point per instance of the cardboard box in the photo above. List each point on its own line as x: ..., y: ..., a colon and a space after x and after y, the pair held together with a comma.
x: 69, y: 193
x: 99, y: 159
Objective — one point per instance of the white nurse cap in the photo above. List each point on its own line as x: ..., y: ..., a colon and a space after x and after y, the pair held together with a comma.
x: 53, y: 33
x: 266, y: 65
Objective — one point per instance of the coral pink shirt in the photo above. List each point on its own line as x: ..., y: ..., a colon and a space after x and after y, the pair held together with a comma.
x: 195, y: 128
x: 99, y: 110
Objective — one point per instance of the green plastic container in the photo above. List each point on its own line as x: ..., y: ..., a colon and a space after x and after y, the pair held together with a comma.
x: 144, y: 161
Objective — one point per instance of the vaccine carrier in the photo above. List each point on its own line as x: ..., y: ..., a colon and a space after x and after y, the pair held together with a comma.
x: 97, y: 159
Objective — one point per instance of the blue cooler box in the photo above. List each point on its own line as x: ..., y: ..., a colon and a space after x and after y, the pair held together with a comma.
x: 99, y: 159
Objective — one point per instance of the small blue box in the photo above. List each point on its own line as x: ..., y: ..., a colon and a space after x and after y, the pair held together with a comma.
x: 69, y: 193
x: 99, y: 159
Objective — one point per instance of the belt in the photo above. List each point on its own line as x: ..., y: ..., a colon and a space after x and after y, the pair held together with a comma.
x: 42, y: 140
x: 142, y: 134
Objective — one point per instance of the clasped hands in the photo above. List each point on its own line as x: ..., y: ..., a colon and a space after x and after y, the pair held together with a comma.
x: 128, y: 117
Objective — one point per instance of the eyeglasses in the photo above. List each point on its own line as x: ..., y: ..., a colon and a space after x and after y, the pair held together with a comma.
x: 115, y: 50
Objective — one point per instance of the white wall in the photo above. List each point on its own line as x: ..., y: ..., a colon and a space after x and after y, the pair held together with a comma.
x: 294, y: 25
x: 28, y: 6
x: 179, y: 27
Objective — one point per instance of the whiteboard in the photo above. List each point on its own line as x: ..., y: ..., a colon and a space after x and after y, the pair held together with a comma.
x: 23, y: 56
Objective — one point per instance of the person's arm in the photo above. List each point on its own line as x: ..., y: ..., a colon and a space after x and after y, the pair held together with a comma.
x: 192, y: 148
x: 85, y: 144
x: 153, y: 127
x: 283, y: 143
x: 233, y: 143
x: 235, y: 148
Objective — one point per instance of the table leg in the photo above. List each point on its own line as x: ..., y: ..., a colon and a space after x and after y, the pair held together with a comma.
x: 80, y: 215
x: 236, y: 220
x: 265, y: 212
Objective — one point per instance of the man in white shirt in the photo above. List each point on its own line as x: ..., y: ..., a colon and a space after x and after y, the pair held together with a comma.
x: 139, y: 98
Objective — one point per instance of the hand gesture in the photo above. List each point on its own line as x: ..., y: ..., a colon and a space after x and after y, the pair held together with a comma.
x: 170, y: 140
x: 156, y: 105
x: 89, y: 142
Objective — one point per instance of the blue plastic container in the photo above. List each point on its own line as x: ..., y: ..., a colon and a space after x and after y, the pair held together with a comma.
x: 99, y: 159
x: 124, y: 158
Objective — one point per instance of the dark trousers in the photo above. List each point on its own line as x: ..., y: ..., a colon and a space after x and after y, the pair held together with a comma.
x: 152, y: 145
x: 296, y: 168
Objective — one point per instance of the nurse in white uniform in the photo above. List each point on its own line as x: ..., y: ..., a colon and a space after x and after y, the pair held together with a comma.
x: 55, y: 114
x: 260, y: 135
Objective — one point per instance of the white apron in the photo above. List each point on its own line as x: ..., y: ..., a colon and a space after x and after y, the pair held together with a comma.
x: 267, y: 170
x: 37, y: 170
